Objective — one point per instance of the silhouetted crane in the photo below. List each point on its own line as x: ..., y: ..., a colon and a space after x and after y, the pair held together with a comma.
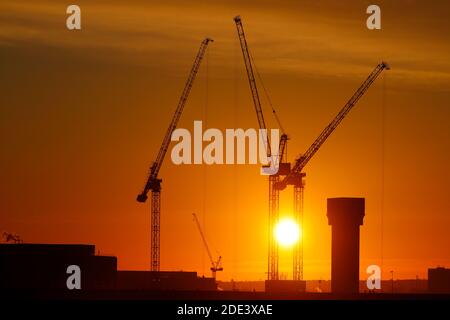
x: 295, y: 175
x: 278, y: 158
x: 153, y: 183
x: 215, y: 265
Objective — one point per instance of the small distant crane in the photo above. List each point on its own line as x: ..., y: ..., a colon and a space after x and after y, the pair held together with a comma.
x: 10, y: 237
x: 215, y: 265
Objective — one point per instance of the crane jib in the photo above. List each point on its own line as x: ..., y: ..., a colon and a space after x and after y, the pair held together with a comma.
x: 152, y: 182
x: 251, y: 79
x: 303, y: 160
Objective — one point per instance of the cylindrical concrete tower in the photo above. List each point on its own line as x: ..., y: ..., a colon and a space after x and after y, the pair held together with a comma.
x: 345, y: 215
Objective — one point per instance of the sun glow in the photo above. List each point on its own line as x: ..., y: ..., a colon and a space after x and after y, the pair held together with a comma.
x: 287, y: 232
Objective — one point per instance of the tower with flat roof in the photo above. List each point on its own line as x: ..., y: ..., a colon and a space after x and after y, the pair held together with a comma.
x: 345, y: 215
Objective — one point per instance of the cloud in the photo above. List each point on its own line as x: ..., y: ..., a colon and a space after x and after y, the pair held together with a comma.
x: 298, y: 37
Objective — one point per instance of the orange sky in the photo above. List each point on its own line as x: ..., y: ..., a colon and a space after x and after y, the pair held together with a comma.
x: 83, y: 114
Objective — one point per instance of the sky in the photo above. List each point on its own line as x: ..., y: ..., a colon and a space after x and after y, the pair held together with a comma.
x: 83, y: 114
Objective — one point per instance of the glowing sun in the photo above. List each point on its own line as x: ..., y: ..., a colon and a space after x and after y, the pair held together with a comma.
x: 287, y: 232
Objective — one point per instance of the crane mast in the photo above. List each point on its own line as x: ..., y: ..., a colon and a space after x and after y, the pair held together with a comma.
x: 215, y: 265
x: 153, y: 183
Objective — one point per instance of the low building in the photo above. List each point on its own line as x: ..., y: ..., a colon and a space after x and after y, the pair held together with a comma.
x: 44, y: 266
x: 164, y: 280
x: 439, y: 280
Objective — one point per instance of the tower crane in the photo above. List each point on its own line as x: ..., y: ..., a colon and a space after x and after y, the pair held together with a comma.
x: 295, y: 176
x: 153, y: 183
x: 283, y: 167
x: 215, y: 265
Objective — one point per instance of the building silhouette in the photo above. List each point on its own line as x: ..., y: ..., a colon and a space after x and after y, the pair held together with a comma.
x: 43, y: 268
x: 345, y: 215
x: 439, y: 280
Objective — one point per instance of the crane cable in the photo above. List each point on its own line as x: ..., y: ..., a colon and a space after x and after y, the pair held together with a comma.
x: 235, y: 173
x: 267, y: 95
x: 205, y: 180
x: 383, y: 139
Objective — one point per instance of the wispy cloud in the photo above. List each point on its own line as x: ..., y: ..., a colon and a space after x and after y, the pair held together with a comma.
x: 319, y: 40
